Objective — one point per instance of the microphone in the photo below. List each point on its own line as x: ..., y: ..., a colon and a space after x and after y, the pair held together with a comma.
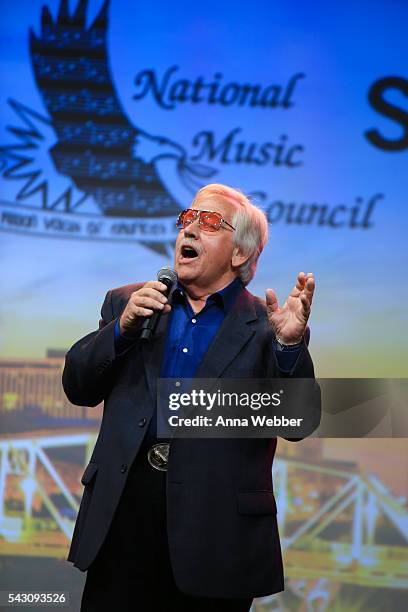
x: 169, y: 278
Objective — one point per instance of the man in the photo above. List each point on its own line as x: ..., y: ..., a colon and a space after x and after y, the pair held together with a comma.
x: 200, y: 532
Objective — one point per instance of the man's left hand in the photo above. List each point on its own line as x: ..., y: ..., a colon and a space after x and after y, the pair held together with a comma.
x: 289, y: 322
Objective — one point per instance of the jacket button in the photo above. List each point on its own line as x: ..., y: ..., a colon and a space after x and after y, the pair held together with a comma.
x: 123, y: 468
x: 142, y: 422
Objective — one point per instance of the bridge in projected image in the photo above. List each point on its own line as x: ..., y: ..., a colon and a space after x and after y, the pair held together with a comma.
x: 335, y: 524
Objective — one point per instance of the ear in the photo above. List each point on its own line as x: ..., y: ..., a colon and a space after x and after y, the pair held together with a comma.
x: 238, y: 258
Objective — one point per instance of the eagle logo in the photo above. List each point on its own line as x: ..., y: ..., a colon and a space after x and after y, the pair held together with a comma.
x: 96, y: 146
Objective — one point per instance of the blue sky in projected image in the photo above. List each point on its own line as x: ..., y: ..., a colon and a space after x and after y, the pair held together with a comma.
x: 342, y: 48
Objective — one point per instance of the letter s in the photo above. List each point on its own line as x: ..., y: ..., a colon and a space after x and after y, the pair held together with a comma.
x: 276, y: 399
x: 377, y: 101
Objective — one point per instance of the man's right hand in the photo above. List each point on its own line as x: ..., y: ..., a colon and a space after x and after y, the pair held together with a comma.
x: 142, y: 304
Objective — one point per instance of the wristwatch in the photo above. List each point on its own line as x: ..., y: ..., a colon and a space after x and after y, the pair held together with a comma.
x: 280, y: 346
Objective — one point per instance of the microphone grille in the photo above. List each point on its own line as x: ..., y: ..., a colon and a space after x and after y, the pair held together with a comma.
x: 169, y: 274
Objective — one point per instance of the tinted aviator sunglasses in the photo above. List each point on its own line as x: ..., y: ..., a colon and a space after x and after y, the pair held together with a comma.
x: 208, y: 220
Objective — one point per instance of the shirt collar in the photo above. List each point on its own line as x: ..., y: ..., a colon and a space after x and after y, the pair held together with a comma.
x: 224, y: 298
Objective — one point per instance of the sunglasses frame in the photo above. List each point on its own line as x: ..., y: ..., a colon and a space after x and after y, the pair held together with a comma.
x: 200, y: 222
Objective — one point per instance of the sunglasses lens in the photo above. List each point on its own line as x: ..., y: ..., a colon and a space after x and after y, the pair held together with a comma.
x: 210, y: 221
x: 186, y: 217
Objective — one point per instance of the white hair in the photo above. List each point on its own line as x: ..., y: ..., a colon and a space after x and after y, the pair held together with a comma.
x: 251, y: 225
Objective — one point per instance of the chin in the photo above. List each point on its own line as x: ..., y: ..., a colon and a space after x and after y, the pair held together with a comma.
x: 186, y: 272
x: 185, y: 277
x: 181, y: 272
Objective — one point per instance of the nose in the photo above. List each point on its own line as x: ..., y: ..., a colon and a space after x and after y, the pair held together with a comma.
x: 192, y: 230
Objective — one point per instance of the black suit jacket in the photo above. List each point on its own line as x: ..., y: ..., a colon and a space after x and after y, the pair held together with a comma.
x: 221, y: 511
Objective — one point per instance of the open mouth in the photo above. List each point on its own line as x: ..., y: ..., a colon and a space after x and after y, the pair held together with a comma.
x: 188, y: 252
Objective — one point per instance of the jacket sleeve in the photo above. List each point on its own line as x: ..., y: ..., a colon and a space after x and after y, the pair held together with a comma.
x: 311, y: 398
x: 89, y: 365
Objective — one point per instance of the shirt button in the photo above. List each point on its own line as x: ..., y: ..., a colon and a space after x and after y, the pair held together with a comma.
x: 177, y: 383
x: 194, y: 320
x: 123, y: 468
x: 142, y: 422
x: 185, y: 350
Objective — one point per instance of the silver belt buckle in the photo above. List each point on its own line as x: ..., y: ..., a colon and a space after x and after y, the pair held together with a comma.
x: 158, y: 456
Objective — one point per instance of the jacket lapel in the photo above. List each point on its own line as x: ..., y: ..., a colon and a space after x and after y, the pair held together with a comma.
x: 233, y: 335
x: 153, y: 353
